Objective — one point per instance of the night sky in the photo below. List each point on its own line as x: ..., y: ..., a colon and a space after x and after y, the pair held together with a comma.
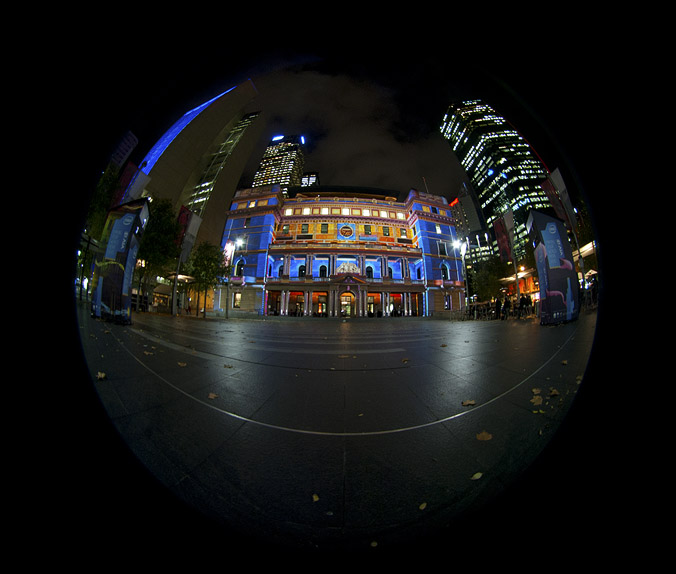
x: 369, y: 121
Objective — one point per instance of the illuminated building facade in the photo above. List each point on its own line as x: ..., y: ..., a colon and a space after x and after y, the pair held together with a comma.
x: 282, y: 163
x: 503, y: 168
x: 340, y: 252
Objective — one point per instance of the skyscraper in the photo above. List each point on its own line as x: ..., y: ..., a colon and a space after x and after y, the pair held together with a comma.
x: 282, y: 163
x: 503, y: 168
x: 199, y: 194
x: 310, y: 178
x: 197, y: 163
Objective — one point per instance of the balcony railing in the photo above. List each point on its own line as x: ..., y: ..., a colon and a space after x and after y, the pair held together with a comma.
x: 372, y: 280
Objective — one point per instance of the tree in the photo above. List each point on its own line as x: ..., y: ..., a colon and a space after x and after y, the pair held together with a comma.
x: 101, y: 202
x: 487, y: 278
x: 208, y: 268
x: 159, y: 246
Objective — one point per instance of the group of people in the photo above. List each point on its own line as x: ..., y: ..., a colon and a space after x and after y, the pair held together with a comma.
x: 524, y: 309
x: 502, y: 309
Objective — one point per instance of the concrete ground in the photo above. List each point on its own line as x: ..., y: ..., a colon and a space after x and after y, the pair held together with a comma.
x: 330, y: 434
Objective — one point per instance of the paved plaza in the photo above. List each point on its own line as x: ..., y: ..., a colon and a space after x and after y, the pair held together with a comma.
x: 309, y: 433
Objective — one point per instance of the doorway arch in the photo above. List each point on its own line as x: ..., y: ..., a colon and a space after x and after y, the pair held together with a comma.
x: 348, y: 304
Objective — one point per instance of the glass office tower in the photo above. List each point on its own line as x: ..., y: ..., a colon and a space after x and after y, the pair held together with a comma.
x: 282, y: 163
x: 503, y: 168
x: 201, y: 192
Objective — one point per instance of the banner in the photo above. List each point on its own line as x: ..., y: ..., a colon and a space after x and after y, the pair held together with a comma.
x: 502, y: 237
x: 556, y: 192
x: 559, y: 289
x: 111, y: 289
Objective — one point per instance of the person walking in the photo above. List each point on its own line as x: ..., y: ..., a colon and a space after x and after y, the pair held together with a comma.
x: 497, y: 307
x: 505, y: 308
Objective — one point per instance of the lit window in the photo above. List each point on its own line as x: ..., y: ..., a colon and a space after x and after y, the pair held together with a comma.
x: 367, y: 212
x: 288, y: 211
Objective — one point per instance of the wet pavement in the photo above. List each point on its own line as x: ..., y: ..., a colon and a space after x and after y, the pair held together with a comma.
x: 328, y: 434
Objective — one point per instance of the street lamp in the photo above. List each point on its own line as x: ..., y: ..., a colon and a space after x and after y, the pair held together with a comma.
x: 462, y: 246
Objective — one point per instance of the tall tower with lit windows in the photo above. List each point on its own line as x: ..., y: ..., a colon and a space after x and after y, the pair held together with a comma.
x: 504, y: 170
x: 282, y: 163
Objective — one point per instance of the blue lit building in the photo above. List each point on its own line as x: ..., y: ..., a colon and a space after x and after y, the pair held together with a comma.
x: 335, y: 251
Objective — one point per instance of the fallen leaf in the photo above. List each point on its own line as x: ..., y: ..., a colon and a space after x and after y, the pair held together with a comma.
x: 213, y: 395
x: 553, y: 392
x: 315, y: 498
x: 423, y: 506
x: 468, y: 403
x: 536, y: 391
x: 483, y: 435
x: 536, y: 400
x: 477, y: 476
x: 147, y: 353
x: 444, y: 345
x: 182, y: 364
x: 404, y: 360
x: 100, y: 375
x: 564, y: 362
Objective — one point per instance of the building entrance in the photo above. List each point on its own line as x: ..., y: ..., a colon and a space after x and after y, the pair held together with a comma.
x: 347, y: 305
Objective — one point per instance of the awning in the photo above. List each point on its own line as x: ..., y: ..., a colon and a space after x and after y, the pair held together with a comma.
x: 162, y: 289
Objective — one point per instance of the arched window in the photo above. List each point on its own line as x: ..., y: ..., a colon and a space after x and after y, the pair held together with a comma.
x: 369, y: 272
x: 301, y: 271
x: 322, y: 271
x: 444, y: 272
x: 239, y: 268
